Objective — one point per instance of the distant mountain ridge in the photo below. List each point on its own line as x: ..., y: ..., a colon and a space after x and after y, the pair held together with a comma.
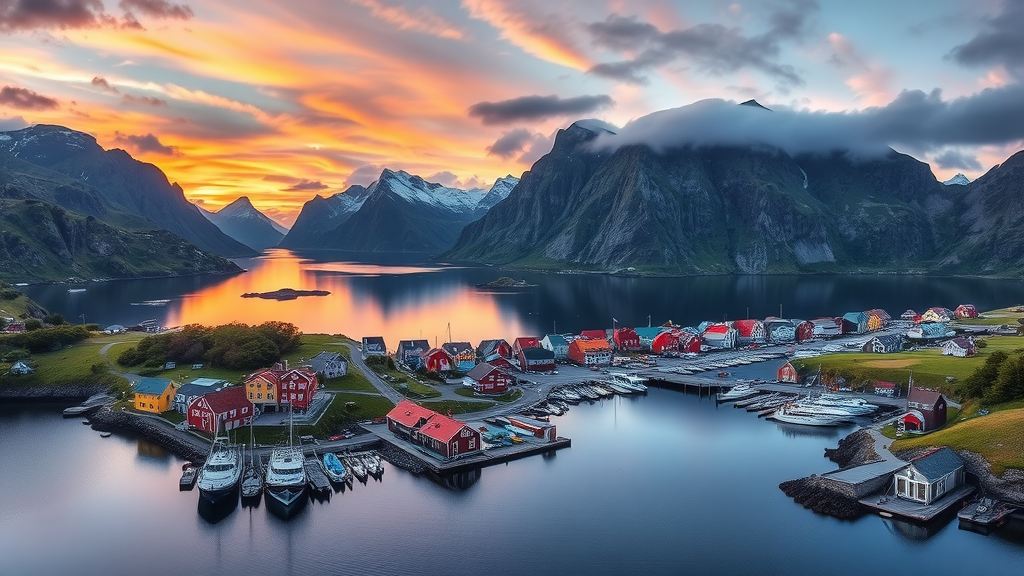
x: 398, y: 212
x: 959, y: 180
x: 119, y: 183
x: 245, y: 223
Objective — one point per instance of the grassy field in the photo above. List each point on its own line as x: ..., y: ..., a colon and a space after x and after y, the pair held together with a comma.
x: 71, y: 365
x: 509, y: 396
x: 930, y: 367
x: 998, y: 437
x: 17, y: 308
x: 337, y: 416
x: 457, y: 406
x: 1008, y: 316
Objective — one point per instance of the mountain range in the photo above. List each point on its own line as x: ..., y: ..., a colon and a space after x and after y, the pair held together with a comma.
x: 398, y: 212
x: 243, y: 222
x: 748, y: 210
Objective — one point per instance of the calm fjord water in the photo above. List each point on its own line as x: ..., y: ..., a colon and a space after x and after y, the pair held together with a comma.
x: 667, y: 483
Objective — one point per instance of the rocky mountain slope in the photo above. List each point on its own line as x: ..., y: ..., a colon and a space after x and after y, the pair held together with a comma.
x: 320, y: 216
x: 243, y: 222
x: 119, y: 183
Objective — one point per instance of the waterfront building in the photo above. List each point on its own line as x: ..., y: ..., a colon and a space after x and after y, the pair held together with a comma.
x: 720, y: 336
x: 787, y: 373
x: 410, y: 352
x: 297, y: 387
x: 462, y: 353
x: 330, y: 364
x: 626, y: 339
x: 930, y: 476
x: 959, y: 347
x: 488, y: 379
x: 647, y: 334
x: 406, y: 417
x: 595, y: 352
x: 261, y: 387
x: 930, y: 331
x: 926, y: 410
x: 594, y: 334
x: 154, y: 395
x: 827, y: 327
x: 225, y: 409
x: 966, y: 311
x: 887, y: 389
x: 749, y: 332
x: 488, y: 349
x: 878, y: 319
x: 436, y: 360
x: 374, y: 346
x: 779, y: 330
x: 544, y: 430
x: 186, y: 393
x: 885, y: 344
x: 804, y: 330
x: 524, y: 342
x: 855, y: 323
x: 440, y: 434
x: 557, y: 344
x: 938, y: 314
x: 536, y: 359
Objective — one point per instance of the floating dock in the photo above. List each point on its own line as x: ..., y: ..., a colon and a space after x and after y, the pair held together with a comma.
x: 893, y: 506
x: 985, y: 514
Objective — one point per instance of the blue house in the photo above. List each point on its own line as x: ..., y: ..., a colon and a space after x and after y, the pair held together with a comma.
x: 411, y: 351
x: 855, y: 323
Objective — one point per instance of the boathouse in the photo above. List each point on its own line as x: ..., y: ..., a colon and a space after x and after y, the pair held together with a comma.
x: 887, y: 389
x: 462, y: 353
x: 488, y: 379
x: 827, y: 327
x: 787, y: 373
x: 330, y: 364
x: 930, y: 476
x: 594, y: 335
x: 154, y: 395
x: 627, y: 340
x: 749, y: 332
x: 926, y: 410
x: 884, y: 344
x: 647, y: 334
x: 804, y: 330
x: 524, y: 342
x: 590, y: 352
x: 374, y: 346
x: 557, y: 344
x: 959, y: 347
x: 406, y: 417
x: 938, y: 314
x: 720, y: 336
x: 543, y: 430
x: 490, y: 348
x: 448, y: 437
x: 855, y: 323
x: 536, y: 360
x: 966, y: 311
x: 222, y: 410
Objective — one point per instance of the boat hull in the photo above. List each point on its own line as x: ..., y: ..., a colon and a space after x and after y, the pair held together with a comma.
x: 285, y: 502
x: 217, y: 495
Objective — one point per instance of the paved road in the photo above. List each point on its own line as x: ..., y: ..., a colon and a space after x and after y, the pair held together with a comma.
x: 131, y: 378
x: 386, y: 390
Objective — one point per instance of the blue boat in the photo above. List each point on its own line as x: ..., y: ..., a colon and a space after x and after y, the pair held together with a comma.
x: 334, y: 468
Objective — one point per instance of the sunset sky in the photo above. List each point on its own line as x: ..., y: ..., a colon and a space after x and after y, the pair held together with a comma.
x: 283, y: 100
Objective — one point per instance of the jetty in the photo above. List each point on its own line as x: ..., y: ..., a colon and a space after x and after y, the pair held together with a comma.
x: 889, y: 505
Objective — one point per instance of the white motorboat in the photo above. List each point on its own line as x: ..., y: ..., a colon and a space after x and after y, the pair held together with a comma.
x: 285, y: 483
x: 630, y: 381
x: 737, y: 392
x: 789, y: 416
x: 218, y: 478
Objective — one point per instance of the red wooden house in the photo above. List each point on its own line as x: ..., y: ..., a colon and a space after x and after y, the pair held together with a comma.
x: 407, y: 417
x: 666, y: 342
x: 966, y: 311
x: 804, y: 331
x: 689, y: 342
x: 627, y: 339
x: 297, y: 387
x: 926, y: 410
x: 437, y: 360
x: 594, y: 335
x: 488, y: 379
x: 220, y: 411
x: 787, y: 373
x: 490, y: 348
x: 524, y: 342
x: 749, y: 331
x: 448, y: 437
x: 536, y: 360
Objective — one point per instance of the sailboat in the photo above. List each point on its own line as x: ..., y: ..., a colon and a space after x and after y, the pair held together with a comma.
x: 252, y: 475
x: 286, y: 478
x: 219, y: 476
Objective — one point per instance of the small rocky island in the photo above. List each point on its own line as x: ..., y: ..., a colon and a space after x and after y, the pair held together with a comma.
x: 285, y: 294
x: 506, y: 283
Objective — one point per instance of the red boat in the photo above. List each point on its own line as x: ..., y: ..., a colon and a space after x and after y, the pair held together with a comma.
x: 723, y: 374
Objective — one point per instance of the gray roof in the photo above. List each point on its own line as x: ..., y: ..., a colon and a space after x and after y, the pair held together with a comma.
x: 456, y: 348
x: 319, y: 362
x: 937, y: 464
x: 538, y: 354
x: 192, y: 390
x: 480, y: 370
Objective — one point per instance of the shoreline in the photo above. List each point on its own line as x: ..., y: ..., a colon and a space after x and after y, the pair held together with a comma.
x: 61, y: 393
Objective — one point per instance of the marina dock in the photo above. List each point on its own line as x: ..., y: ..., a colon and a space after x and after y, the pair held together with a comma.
x: 893, y: 506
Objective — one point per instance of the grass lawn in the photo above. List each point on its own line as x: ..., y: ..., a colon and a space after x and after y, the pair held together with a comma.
x: 414, y: 389
x: 509, y: 396
x: 173, y: 416
x: 998, y: 437
x: 72, y: 365
x: 457, y: 406
x: 1008, y: 316
x: 354, y: 380
x: 337, y: 416
x: 930, y: 367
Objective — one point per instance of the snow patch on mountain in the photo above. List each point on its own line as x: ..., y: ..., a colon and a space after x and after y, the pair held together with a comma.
x: 417, y: 190
x: 958, y: 180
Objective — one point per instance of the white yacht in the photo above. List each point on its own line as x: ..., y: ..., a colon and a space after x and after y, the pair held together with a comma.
x: 630, y: 381
x: 219, y: 476
x: 738, y: 392
x: 788, y: 414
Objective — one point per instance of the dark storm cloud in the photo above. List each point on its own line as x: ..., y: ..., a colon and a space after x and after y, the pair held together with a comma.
x: 1001, y: 42
x: 714, y: 48
x: 304, y: 185
x: 915, y: 120
x: 25, y: 99
x: 957, y: 160
x: 32, y: 14
x: 157, y: 8
x: 145, y: 143
x: 537, y: 108
x: 102, y: 84
x: 510, y: 143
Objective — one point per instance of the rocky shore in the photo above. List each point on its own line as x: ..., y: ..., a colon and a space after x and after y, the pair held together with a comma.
x: 62, y: 393
x: 106, y: 420
x: 400, y: 458
x: 1009, y: 487
x: 827, y: 496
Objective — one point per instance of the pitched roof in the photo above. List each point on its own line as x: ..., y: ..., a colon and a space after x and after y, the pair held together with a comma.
x: 191, y: 390
x: 441, y: 427
x: 480, y: 371
x: 409, y: 414
x: 592, y: 345
x: 884, y: 384
x: 487, y: 347
x: 924, y: 396
x: 368, y: 341
x: 538, y: 354
x: 556, y: 340
x: 718, y: 329
x: 937, y: 464
x: 404, y: 345
x: 527, y: 341
x: 745, y: 327
x: 435, y: 352
x: 227, y: 399
x: 208, y: 382
x: 594, y: 334
x: 649, y: 332
x: 155, y: 386
x: 456, y: 348
x: 962, y: 342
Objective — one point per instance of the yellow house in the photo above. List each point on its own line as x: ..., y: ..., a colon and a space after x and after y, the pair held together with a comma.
x: 154, y: 395
x: 261, y: 387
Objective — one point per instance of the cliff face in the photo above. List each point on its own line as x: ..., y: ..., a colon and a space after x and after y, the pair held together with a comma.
x: 709, y: 210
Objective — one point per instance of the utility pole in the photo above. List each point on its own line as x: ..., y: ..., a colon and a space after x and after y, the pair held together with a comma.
x: 83, y: 318
x: 780, y: 310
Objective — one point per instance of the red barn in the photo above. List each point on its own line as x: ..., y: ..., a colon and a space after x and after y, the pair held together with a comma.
x: 594, y: 335
x: 488, y: 379
x: 524, y: 342
x: 297, y: 387
x: 787, y: 373
x: 536, y: 360
x: 627, y: 339
x: 966, y: 311
x: 666, y: 342
x: 804, y: 331
x: 220, y: 411
x: 926, y: 410
x: 448, y: 437
x: 437, y: 360
x: 689, y: 342
x: 749, y: 332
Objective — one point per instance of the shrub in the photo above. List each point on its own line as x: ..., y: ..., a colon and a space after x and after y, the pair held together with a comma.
x: 9, y: 294
x: 33, y: 324
x: 54, y: 319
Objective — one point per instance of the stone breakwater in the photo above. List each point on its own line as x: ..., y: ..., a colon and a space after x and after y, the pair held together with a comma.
x: 827, y: 496
x: 105, y: 420
x: 400, y: 458
x: 61, y: 393
x: 1009, y: 487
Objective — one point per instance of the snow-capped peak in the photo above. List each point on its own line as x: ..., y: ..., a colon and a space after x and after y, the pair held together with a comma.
x: 498, y: 192
x: 596, y: 126
x: 959, y: 180
x: 416, y: 189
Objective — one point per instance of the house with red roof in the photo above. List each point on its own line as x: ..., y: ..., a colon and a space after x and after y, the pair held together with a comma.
x: 627, y: 339
x: 223, y: 410
x: 437, y: 360
x: 448, y: 437
x: 966, y: 311
x: 297, y: 387
x: 595, y: 352
x: 787, y: 373
x: 749, y: 331
x: 407, y: 417
x: 804, y: 331
x: 720, y: 336
x: 524, y: 342
x: 594, y: 335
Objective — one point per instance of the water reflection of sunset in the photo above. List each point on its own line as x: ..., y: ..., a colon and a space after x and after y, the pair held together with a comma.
x: 399, y: 302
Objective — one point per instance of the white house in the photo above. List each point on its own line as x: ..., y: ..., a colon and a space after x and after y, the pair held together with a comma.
x: 928, y: 477
x: 330, y: 364
x: 20, y: 368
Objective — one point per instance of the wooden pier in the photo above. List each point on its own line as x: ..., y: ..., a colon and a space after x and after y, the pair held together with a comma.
x: 686, y: 382
x: 893, y: 506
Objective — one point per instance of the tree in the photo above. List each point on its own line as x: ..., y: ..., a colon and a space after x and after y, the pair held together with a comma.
x: 975, y: 385
x: 32, y: 324
x: 1009, y: 384
x: 54, y: 319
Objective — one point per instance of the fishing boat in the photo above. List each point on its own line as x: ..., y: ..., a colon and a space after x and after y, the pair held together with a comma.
x: 357, y: 468
x: 334, y: 468
x: 285, y: 483
x: 219, y: 476
x: 629, y: 381
x: 75, y: 290
x: 252, y: 475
